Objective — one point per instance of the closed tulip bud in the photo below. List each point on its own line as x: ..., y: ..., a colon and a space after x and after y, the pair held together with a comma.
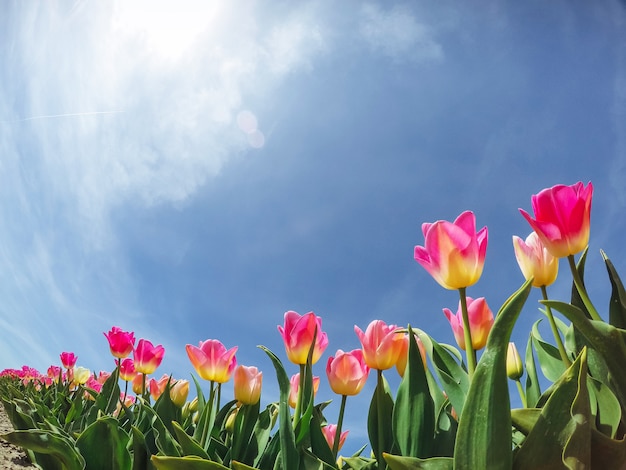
x: 347, y: 372
x: 453, y: 252
x: 179, y: 392
x: 480, y: 320
x: 403, y: 358
x: 81, y: 375
x: 247, y: 385
x: 121, y: 343
x: 193, y: 405
x: 330, y: 431
x: 562, y: 218
x: 535, y: 260
x: 298, y: 334
x: 381, y: 344
x: 137, y: 384
x: 127, y: 370
x: 295, y: 386
x: 514, y: 366
x: 212, y: 361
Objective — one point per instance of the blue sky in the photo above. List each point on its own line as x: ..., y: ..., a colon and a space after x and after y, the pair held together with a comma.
x: 193, y: 173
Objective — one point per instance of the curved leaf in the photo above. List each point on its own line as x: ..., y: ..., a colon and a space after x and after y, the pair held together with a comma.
x: 103, y: 445
x: 397, y: 462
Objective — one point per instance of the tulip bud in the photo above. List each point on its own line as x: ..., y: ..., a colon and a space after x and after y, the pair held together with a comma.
x: 514, y: 366
x: 247, y: 385
x: 480, y: 320
x: 535, y: 260
x: 179, y: 392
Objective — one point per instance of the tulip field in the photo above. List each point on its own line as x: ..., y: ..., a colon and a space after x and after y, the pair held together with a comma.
x: 451, y: 409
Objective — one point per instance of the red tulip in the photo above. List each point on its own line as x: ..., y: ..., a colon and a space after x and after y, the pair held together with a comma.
x: 68, y: 359
x: 121, y: 343
x: 298, y: 335
x: 146, y: 357
x: 212, y: 361
x: 562, y: 218
x: 127, y: 370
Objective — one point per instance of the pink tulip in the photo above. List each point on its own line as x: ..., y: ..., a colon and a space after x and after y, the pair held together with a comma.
x: 93, y: 384
x: 453, y: 253
x: 127, y: 370
x: 121, y: 343
x: 381, y: 344
x: 146, y: 357
x: 157, y: 387
x: 295, y: 387
x: 247, y: 385
x: 535, y: 260
x: 330, y: 431
x: 480, y: 320
x: 137, y: 384
x: 68, y: 359
x: 403, y: 359
x: 298, y: 335
x: 212, y: 361
x: 562, y: 218
x: 347, y: 372
x: 54, y: 372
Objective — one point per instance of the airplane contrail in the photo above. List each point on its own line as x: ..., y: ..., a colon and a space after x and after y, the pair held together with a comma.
x: 49, y: 116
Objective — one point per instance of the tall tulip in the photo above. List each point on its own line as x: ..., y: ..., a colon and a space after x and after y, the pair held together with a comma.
x: 68, y: 359
x: 298, y: 333
x: 562, y: 218
x: 453, y: 252
x: 381, y: 344
x: 535, y: 261
x: 121, y: 343
x: 247, y: 382
x: 147, y: 357
x: 480, y: 321
x: 347, y: 372
x: 212, y: 361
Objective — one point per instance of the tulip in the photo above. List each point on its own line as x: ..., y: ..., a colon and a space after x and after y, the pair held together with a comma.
x: 212, y: 361
x: 453, y: 253
x: 157, y: 387
x: 121, y: 343
x: 298, y: 335
x: 81, y: 375
x: 127, y: 370
x: 179, y: 392
x: 535, y: 260
x: 137, y: 384
x: 247, y: 385
x: 330, y: 431
x: 347, y: 372
x: 68, y: 359
x: 480, y: 321
x: 404, y: 355
x: 54, y: 372
x: 295, y: 387
x: 93, y: 384
x: 381, y: 344
x: 147, y: 357
x: 514, y: 366
x: 562, y: 218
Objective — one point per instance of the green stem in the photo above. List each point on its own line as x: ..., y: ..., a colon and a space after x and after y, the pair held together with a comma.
x: 555, y: 330
x: 467, y: 335
x: 298, y: 410
x: 342, y: 408
x: 581, y: 290
x: 522, y: 395
x: 205, y: 430
x: 381, y: 430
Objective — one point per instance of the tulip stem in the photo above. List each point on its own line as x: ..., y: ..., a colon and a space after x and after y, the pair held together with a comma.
x: 342, y: 408
x: 578, y: 282
x: 380, y: 387
x: 467, y: 335
x: 522, y: 395
x: 555, y: 330
x: 298, y: 410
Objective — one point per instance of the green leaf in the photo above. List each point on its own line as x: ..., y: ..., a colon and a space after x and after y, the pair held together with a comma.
x: 241, y: 466
x: 187, y: 443
x: 484, y: 435
x: 185, y: 463
x: 166, y: 409
x: 262, y: 433
x: 289, y: 454
x: 561, y: 436
x: 141, y: 455
x: 397, y: 462
x: 524, y: 419
x: 109, y: 397
x: 103, y: 445
x: 163, y: 438
x: 380, y: 431
x: 606, y: 452
x: 576, y: 300
x: 58, y: 447
x: 548, y: 355
x: 533, y: 391
x: 245, y: 422
x: 360, y: 463
x: 617, y: 304
x: 414, y: 409
x: 605, y: 407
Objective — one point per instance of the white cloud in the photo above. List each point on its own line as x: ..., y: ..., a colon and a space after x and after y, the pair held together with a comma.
x: 396, y: 33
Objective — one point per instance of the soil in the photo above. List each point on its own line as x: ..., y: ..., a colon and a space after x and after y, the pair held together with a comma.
x: 11, y: 457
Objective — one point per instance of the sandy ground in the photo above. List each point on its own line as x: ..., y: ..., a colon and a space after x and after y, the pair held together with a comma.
x: 11, y: 457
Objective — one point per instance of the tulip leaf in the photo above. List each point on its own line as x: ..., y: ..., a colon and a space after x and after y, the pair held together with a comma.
x: 561, y: 435
x: 379, y: 420
x: 57, y: 451
x: 397, y: 462
x: 288, y: 451
x: 109, y: 396
x: 608, y: 342
x: 241, y: 466
x: 533, y: 391
x: 524, y: 419
x: 319, y: 445
x: 140, y: 452
x: 245, y: 422
x: 617, y: 304
x: 576, y: 299
x: 261, y: 435
x: 103, y: 445
x: 484, y: 434
x: 185, y: 463
x: 548, y: 355
x: 163, y: 438
x: 360, y: 463
x: 605, y: 407
x: 414, y: 410
x: 607, y: 452
x: 187, y: 443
